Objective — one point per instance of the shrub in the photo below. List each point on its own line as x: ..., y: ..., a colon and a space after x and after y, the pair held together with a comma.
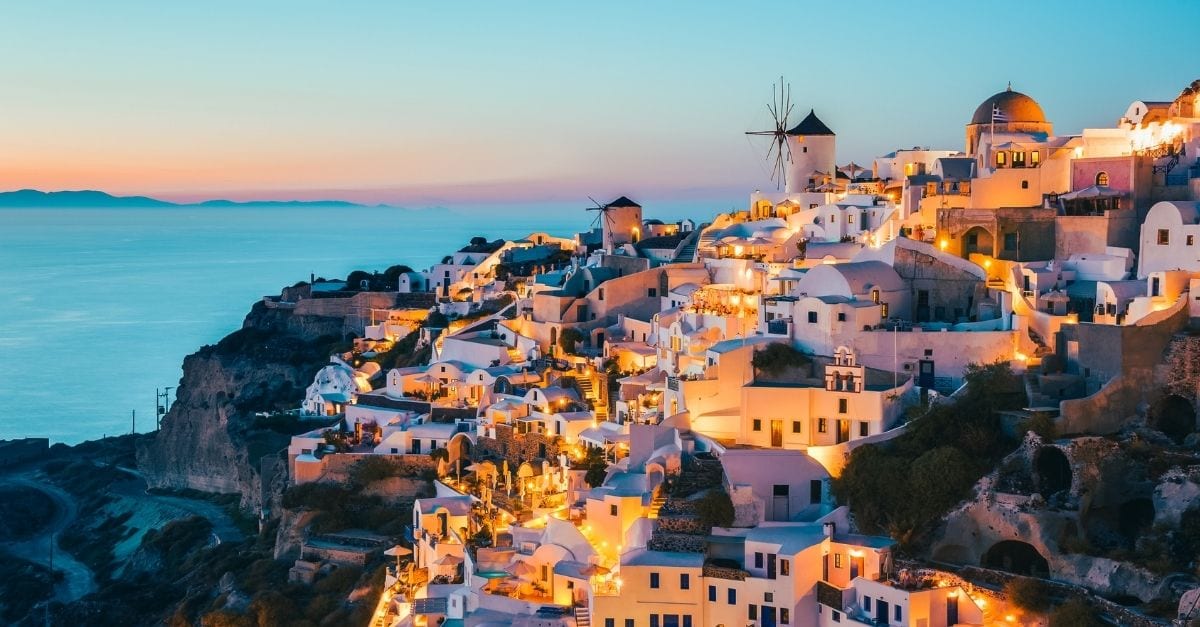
x: 777, y: 358
x: 716, y: 508
x: 597, y: 467
x: 1041, y: 423
x: 1074, y: 613
x: 1029, y: 594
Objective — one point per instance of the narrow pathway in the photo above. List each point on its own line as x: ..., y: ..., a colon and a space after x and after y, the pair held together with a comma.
x: 223, y: 527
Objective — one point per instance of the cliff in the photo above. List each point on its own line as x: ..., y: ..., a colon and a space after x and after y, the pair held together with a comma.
x: 208, y: 441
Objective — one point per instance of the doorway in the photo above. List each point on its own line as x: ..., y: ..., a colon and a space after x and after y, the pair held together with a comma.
x: 776, y: 433
x: 843, y: 431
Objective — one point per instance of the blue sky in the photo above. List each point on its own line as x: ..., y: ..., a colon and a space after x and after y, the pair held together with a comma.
x: 469, y: 101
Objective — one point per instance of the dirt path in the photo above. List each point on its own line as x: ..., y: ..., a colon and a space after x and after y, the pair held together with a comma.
x: 43, y: 549
x: 223, y: 527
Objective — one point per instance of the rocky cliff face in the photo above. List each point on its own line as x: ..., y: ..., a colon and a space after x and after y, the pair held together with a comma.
x: 208, y: 440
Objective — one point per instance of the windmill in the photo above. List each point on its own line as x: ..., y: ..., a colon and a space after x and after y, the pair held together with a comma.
x: 779, y: 152
x: 620, y: 222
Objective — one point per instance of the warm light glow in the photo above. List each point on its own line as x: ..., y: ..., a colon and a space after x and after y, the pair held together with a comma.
x: 943, y: 244
x: 1019, y: 356
x: 987, y: 263
x: 855, y: 553
x: 1010, y: 618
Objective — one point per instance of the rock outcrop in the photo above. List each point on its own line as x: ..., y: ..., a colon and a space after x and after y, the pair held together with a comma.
x: 208, y: 440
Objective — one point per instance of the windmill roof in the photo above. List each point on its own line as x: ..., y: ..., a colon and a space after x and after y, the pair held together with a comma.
x: 811, y: 125
x: 623, y: 201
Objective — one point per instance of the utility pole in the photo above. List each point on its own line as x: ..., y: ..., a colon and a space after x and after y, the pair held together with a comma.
x: 162, y: 403
x: 133, y: 421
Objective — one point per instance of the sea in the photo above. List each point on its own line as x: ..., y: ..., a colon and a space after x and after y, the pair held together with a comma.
x: 98, y: 307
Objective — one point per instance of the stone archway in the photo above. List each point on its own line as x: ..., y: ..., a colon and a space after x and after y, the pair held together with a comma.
x: 459, y: 447
x: 1016, y: 557
x: 1052, y: 471
x: 1175, y: 416
x: 978, y: 239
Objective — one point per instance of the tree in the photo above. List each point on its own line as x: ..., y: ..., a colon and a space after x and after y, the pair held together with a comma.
x: 1074, y: 613
x: 355, y: 279
x: 715, y: 508
x: 597, y: 467
x: 569, y: 340
x: 392, y: 274
x: 439, y: 455
x: 479, y: 241
x: 437, y: 320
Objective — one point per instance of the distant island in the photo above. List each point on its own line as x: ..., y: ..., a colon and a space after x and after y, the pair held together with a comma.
x: 91, y: 199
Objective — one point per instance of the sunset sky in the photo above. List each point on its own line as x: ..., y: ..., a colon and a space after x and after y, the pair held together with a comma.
x: 463, y: 101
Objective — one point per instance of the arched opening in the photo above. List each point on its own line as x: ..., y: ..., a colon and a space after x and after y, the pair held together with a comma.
x: 1174, y: 416
x: 1052, y: 470
x: 1016, y: 557
x: 1102, y: 179
x: 952, y: 554
x: 459, y: 447
x: 1134, y: 517
x: 977, y: 240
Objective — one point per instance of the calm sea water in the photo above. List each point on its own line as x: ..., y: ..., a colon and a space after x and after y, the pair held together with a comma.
x: 98, y: 307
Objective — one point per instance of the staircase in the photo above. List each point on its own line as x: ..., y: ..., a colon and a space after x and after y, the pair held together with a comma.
x: 597, y: 395
x: 583, y: 617
x: 656, y: 505
x: 687, y: 254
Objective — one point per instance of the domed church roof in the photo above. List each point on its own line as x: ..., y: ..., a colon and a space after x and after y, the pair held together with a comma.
x: 1016, y: 107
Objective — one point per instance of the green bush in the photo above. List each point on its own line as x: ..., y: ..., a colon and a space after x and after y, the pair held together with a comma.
x: 1041, y: 423
x: 905, y: 486
x: 1029, y: 594
x: 1075, y: 613
x: 716, y: 508
x: 569, y: 340
x: 778, y: 358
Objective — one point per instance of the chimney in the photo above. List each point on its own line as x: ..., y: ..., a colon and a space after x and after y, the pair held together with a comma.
x: 830, y: 529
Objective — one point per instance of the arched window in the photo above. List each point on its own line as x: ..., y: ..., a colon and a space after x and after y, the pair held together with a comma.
x: 1102, y: 179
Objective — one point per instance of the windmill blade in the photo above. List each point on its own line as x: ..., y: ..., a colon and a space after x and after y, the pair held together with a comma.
x: 597, y: 203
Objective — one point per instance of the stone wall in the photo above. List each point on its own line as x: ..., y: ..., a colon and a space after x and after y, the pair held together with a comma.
x: 517, y: 448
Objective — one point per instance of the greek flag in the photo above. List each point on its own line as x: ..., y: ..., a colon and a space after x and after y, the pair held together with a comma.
x: 998, y: 115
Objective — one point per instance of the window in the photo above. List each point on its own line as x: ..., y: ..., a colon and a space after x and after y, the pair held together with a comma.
x: 812, y: 317
x: 757, y: 424
x: 842, y: 405
x: 785, y: 567
x: 1024, y: 184
x: 769, y: 597
x: 822, y: 425
x: 1010, y: 241
x: 601, y: 293
x: 1190, y: 240
x: 867, y: 603
x: 1001, y: 159
x: 654, y: 581
x: 612, y: 510
x: 814, y: 492
x: 652, y: 292
x: 841, y: 317
x: 864, y: 428
x: 832, y: 218
x: 685, y: 581
x: 897, y: 615
x: 610, y: 622
x: 1102, y: 178
x: 837, y: 561
x: 1018, y: 159
x: 850, y: 218
x: 883, y: 310
x: 654, y: 620
x: 795, y: 426
x: 1164, y: 237
x: 752, y: 612
x: 687, y: 620
x: 837, y: 616
x: 758, y: 560
x: 875, y: 296
x: 629, y: 622
x: 785, y: 616
x: 712, y: 594
x: 1034, y: 157
x: 731, y: 596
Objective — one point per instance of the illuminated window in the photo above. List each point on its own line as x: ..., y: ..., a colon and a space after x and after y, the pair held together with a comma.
x: 1102, y: 178
x: 1001, y: 158
x: 1034, y: 157
x: 883, y: 310
x: 837, y: 560
x: 875, y: 296
x: 822, y: 425
x: 1164, y: 237
x: 850, y: 219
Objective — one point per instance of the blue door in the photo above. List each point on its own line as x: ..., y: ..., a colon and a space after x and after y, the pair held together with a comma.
x: 768, y: 616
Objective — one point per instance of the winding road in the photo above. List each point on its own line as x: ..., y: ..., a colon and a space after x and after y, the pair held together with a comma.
x: 43, y: 549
